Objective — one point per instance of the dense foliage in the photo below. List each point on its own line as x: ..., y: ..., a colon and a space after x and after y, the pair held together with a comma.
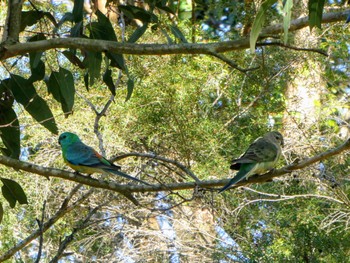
x: 172, y: 118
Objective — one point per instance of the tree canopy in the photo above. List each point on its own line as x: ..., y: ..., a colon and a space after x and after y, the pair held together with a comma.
x: 172, y: 91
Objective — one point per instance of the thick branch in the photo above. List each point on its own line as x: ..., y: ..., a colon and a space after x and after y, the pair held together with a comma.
x: 13, y: 21
x: 8, y: 51
x: 127, y: 189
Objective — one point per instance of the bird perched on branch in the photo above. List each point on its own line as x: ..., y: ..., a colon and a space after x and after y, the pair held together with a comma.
x: 260, y: 157
x: 85, y: 159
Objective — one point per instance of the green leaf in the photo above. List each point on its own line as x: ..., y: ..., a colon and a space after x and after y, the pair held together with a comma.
x: 35, y: 56
x: 6, y: 97
x: 108, y: 80
x: 93, y: 62
x: 86, y: 81
x: 165, y: 8
x: 73, y: 59
x: 8, y: 196
x: 130, y: 85
x: 138, y: 33
x: 38, y: 73
x: 102, y: 29
x: 13, y: 192
x: 287, y: 10
x: 258, y: 22
x: 37, y: 67
x: 117, y: 60
x: 77, y: 29
x: 9, y: 132
x: 61, y: 86
x: 1, y: 212
x: 78, y: 10
x: 29, y: 18
x: 134, y: 12
x: 51, y: 18
x: 67, y: 17
x: 24, y: 93
x: 315, y: 13
x: 178, y: 34
x: 165, y: 33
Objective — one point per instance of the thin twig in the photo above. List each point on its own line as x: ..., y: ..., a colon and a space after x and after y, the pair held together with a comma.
x: 316, y: 50
x: 41, y: 239
x: 68, y: 239
x: 64, y: 209
x: 160, y: 158
x: 232, y: 64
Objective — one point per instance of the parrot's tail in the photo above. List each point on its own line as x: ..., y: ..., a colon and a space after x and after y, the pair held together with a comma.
x: 238, y: 177
x: 117, y: 172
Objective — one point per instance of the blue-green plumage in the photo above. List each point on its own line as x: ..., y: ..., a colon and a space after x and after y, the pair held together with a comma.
x: 85, y: 159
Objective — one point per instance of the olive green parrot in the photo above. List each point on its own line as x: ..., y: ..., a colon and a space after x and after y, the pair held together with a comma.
x: 260, y: 157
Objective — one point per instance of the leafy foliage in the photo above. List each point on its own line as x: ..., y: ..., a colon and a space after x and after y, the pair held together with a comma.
x: 192, y: 109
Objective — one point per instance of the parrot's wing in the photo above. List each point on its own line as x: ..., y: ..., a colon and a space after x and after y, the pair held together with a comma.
x: 81, y: 154
x: 259, y: 151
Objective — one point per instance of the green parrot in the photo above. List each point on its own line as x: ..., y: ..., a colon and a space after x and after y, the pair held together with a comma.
x: 84, y: 159
x: 260, y: 157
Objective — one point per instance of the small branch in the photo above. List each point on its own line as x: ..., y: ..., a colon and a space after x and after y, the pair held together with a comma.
x: 160, y: 158
x: 232, y: 64
x: 300, y: 165
x: 64, y: 244
x: 41, y: 239
x: 13, y: 21
x: 96, y: 45
x: 45, y: 226
x: 126, y: 190
x: 316, y: 50
x: 288, y: 197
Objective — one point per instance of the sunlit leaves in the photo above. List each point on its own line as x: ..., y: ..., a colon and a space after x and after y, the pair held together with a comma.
x: 259, y: 22
x: 287, y: 10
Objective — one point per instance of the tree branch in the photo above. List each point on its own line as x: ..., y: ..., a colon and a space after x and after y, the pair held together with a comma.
x: 45, y: 226
x: 316, y: 50
x: 68, y: 239
x: 13, y: 21
x: 126, y: 190
x: 7, y: 50
x: 159, y: 158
